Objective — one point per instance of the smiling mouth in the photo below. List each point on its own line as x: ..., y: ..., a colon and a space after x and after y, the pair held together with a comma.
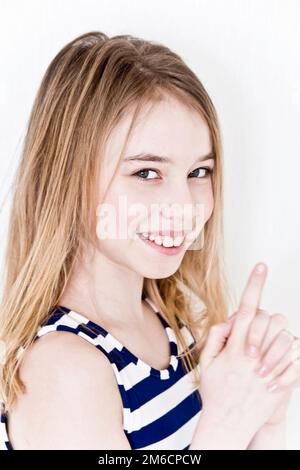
x: 167, y: 250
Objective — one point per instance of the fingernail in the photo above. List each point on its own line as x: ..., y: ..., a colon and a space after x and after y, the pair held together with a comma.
x: 272, y: 387
x: 262, y: 370
x: 260, y: 268
x: 252, y: 351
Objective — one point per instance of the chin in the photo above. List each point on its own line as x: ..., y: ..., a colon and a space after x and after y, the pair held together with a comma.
x: 160, y: 271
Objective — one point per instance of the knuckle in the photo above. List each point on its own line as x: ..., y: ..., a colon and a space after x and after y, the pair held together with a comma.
x: 292, y: 377
x: 259, y: 323
x: 216, y: 327
x: 261, y: 311
x: 287, y: 335
x: 244, y: 311
x: 280, y: 319
x: 258, y: 327
x: 254, y: 339
x: 263, y: 315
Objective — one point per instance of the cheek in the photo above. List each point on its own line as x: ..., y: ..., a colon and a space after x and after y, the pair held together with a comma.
x: 119, y: 218
x: 118, y: 241
x: 205, y: 199
x: 209, y: 206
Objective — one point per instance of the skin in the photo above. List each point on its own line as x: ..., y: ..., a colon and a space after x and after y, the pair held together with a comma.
x: 272, y: 348
x: 169, y: 129
x: 107, y: 287
x: 266, y: 338
x: 232, y: 387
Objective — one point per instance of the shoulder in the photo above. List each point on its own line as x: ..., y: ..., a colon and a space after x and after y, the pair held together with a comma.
x: 64, y: 351
x: 71, y: 394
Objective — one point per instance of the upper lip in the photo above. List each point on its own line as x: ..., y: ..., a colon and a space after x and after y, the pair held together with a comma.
x: 170, y: 233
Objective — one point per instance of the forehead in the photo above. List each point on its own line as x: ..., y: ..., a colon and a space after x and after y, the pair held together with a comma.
x: 167, y: 127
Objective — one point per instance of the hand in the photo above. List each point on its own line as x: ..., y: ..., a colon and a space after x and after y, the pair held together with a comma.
x: 276, y: 348
x: 279, y: 352
x: 280, y: 413
x: 233, y: 395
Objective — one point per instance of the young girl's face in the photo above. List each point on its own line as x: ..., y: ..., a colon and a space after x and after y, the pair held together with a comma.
x: 143, y: 192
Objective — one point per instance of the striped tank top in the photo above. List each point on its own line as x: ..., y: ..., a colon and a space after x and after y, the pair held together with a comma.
x: 160, y: 407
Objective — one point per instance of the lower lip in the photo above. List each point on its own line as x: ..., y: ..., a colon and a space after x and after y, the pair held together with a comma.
x: 174, y: 250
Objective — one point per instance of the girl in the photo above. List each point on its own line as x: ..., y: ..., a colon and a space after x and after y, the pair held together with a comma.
x: 121, y: 130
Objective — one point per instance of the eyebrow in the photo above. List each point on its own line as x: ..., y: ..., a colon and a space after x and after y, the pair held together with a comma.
x: 150, y: 157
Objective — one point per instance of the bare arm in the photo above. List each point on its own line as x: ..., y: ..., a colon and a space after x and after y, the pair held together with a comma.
x: 270, y: 437
x: 212, y: 435
x: 218, y: 434
x: 72, y: 398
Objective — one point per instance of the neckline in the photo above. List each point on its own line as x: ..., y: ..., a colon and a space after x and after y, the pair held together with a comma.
x: 173, y: 346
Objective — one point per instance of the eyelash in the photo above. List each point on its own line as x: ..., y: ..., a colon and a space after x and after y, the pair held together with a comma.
x: 208, y: 169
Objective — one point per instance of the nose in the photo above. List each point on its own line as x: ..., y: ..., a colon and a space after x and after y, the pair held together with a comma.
x: 177, y: 209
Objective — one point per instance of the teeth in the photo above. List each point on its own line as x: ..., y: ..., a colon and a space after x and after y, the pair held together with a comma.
x: 166, y: 241
x: 158, y: 240
x: 178, y: 240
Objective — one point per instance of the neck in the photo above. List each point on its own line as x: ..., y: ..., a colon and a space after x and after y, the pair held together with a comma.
x: 105, y: 291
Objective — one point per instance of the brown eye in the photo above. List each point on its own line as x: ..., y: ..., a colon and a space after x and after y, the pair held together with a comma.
x: 145, y: 171
x: 207, y: 169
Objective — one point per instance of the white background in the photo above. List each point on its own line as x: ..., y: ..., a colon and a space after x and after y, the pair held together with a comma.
x: 247, y: 55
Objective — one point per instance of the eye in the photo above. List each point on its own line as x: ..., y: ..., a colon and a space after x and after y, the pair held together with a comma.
x: 207, y: 174
x: 143, y: 172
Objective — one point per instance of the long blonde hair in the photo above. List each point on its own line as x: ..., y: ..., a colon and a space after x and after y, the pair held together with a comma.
x: 88, y: 87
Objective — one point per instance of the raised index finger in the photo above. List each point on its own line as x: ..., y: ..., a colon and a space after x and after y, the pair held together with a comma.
x: 248, y: 306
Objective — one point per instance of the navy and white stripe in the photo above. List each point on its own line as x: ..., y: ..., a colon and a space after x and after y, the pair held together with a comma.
x: 160, y: 407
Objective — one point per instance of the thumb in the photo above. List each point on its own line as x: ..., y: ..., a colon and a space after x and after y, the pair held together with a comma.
x: 215, y: 342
